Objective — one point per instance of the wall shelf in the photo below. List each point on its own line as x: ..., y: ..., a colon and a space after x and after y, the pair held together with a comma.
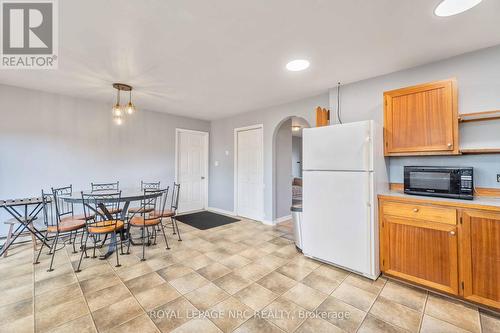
x: 470, y: 151
x: 479, y: 116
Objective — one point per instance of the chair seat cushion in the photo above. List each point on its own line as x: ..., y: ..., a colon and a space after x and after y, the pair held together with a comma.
x: 140, y: 210
x: 165, y: 213
x: 139, y: 221
x: 67, y: 225
x: 105, y: 227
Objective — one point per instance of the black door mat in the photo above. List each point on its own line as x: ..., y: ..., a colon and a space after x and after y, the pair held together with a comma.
x: 205, y: 220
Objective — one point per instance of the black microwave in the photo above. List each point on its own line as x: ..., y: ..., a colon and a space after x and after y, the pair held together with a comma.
x: 448, y: 182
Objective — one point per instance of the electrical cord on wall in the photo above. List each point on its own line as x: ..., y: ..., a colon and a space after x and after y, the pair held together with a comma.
x: 338, y: 102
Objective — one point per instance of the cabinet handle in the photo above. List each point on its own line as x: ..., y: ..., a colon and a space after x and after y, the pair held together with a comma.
x: 450, y: 145
x: 452, y: 233
x: 415, y: 210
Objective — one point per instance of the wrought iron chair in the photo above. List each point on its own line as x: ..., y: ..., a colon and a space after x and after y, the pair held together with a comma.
x: 154, y: 200
x: 104, y: 223
x: 144, y: 186
x: 66, y: 211
x: 57, y: 224
x: 109, y: 188
x: 172, y: 212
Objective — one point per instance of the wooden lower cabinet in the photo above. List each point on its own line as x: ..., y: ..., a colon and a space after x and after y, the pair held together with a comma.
x: 480, y: 256
x: 422, y: 252
x: 460, y: 256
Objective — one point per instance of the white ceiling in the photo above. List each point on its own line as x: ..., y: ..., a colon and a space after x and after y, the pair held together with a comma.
x: 211, y: 59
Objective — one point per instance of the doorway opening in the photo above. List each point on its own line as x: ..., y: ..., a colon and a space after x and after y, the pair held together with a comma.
x: 287, y: 166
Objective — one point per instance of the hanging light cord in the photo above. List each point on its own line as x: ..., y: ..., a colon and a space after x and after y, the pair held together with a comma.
x: 338, y: 102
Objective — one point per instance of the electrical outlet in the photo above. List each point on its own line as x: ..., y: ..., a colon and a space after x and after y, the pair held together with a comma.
x: 498, y: 177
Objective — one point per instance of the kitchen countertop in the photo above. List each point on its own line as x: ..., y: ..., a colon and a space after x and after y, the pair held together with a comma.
x: 488, y: 203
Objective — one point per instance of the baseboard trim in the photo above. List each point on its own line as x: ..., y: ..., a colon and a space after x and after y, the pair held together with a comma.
x: 221, y: 211
x: 282, y: 219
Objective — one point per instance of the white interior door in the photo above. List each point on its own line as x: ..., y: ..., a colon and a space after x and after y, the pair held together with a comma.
x: 249, y: 173
x: 192, y: 169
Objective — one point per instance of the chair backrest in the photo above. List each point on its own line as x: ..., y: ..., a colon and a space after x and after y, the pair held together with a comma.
x: 49, y: 212
x: 154, y: 199
x: 175, y: 197
x: 95, y: 202
x: 62, y: 208
x: 163, y: 200
x: 99, y: 187
x: 150, y: 185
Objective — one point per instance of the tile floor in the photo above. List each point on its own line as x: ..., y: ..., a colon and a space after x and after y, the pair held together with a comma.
x: 242, y: 277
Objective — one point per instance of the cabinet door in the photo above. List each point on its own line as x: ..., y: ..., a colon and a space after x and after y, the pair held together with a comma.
x: 420, y: 251
x: 421, y: 120
x: 480, y: 257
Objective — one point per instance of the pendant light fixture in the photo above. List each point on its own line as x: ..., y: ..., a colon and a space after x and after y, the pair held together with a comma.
x: 130, y: 107
x: 118, y: 110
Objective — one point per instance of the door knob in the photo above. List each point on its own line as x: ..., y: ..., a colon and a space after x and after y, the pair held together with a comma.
x: 450, y: 145
x: 415, y: 210
x: 202, y: 177
x: 452, y: 233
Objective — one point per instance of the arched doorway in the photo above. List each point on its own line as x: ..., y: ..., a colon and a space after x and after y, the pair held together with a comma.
x: 287, y: 165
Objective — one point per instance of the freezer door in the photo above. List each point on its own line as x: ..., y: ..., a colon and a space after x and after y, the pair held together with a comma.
x: 337, y: 224
x: 338, y: 147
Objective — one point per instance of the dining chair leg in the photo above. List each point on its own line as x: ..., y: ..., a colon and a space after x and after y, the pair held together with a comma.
x: 154, y: 234
x: 54, y: 248
x: 164, y: 236
x: 84, y: 250
x: 41, y: 247
x: 143, y: 244
x: 129, y: 238
x: 74, y: 241
x: 122, y: 236
x: 174, y: 221
x: 93, y: 248
x: 116, y: 250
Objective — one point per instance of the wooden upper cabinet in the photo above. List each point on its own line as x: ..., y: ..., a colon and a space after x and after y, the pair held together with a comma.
x: 480, y: 257
x: 421, y: 120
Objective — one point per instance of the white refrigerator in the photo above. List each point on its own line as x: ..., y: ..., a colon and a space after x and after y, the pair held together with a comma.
x: 343, y: 166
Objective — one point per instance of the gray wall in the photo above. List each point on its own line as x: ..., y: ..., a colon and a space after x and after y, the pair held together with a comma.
x: 283, y: 195
x: 51, y: 140
x: 478, y: 76
x: 221, y: 188
x: 297, y: 156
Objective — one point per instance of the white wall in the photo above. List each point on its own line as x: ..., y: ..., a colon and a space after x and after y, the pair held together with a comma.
x: 221, y: 185
x: 478, y: 76
x: 51, y: 140
x: 297, y: 156
x: 283, y: 155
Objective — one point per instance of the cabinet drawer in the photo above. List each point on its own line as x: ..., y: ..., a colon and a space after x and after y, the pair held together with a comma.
x: 422, y: 212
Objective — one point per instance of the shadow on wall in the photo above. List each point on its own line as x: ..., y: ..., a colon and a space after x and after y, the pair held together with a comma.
x: 287, y: 163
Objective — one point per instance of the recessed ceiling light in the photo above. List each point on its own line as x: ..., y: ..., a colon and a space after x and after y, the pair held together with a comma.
x: 297, y: 65
x: 453, y: 7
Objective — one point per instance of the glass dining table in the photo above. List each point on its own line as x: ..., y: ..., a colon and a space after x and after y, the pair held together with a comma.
x: 127, y: 196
